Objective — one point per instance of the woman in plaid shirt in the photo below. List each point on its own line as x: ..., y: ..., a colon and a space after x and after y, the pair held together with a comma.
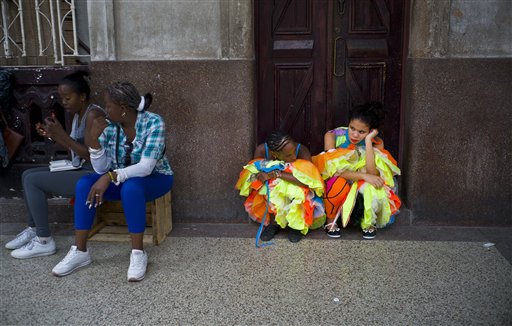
x: 127, y: 151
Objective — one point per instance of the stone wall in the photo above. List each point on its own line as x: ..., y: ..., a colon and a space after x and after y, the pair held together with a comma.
x: 171, y: 30
x: 208, y: 110
x: 457, y: 138
x: 197, y: 59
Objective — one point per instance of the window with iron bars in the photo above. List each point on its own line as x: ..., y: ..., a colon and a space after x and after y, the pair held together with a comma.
x: 44, y: 32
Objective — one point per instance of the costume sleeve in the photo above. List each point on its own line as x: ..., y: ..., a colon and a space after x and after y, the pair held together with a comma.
x: 336, y: 161
x: 307, y: 173
x: 246, y: 182
x: 386, y: 165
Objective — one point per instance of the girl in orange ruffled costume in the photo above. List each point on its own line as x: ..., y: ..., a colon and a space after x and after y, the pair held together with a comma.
x: 295, y: 188
x: 355, y: 164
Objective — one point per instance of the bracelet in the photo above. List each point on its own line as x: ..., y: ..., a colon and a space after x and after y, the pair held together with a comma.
x: 114, y: 181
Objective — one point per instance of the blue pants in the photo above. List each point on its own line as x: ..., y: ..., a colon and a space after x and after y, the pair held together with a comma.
x: 134, y: 193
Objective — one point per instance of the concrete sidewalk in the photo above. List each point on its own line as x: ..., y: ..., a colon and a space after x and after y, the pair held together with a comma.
x: 213, y: 275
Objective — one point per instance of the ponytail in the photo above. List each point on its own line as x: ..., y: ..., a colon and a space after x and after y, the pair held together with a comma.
x: 148, y: 99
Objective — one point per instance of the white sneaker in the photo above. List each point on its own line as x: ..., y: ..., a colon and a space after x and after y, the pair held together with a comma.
x: 21, y: 239
x: 73, y: 260
x: 35, y: 248
x: 138, y: 264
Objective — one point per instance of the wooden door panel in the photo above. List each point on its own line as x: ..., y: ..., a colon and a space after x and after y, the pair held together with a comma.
x: 367, y: 46
x: 291, y: 51
x: 368, y: 16
x: 318, y: 58
x: 293, y: 85
x: 366, y: 81
x: 292, y: 17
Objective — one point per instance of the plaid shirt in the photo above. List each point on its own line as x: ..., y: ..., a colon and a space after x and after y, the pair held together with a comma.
x: 149, y: 142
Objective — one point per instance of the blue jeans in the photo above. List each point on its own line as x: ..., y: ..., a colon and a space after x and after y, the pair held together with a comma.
x: 133, y: 193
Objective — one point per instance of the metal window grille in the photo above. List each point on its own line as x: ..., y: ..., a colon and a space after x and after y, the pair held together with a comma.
x: 41, y: 29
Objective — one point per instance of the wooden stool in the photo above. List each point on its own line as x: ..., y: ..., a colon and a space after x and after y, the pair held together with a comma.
x: 110, y: 223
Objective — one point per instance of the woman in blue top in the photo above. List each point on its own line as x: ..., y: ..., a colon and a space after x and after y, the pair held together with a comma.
x: 127, y: 152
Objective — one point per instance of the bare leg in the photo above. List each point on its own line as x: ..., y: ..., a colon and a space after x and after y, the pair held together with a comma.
x: 81, y: 239
x: 137, y: 240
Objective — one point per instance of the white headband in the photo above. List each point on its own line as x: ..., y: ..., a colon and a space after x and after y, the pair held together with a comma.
x: 141, y: 104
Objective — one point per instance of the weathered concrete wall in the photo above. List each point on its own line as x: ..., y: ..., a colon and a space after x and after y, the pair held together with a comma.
x: 197, y: 59
x: 458, y: 141
x: 461, y: 28
x: 171, y: 30
x: 457, y: 113
x: 208, y: 110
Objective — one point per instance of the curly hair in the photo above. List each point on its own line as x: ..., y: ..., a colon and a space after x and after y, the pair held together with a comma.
x: 371, y: 113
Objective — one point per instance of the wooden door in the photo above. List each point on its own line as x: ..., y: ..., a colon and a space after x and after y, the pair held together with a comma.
x: 318, y: 58
x: 291, y: 37
x: 367, y: 41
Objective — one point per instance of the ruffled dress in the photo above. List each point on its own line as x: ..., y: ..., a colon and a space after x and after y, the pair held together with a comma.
x: 340, y: 195
x: 300, y: 208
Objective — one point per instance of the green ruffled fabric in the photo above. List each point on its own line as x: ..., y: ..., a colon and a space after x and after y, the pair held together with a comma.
x: 348, y: 162
x: 245, y: 183
x: 287, y: 198
x: 289, y: 211
x: 353, y: 161
x: 314, y: 184
x: 377, y: 210
x: 245, y: 177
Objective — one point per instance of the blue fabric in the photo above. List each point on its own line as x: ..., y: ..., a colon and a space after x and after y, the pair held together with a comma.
x: 260, y: 229
x: 134, y: 193
x: 262, y: 166
x: 297, y: 151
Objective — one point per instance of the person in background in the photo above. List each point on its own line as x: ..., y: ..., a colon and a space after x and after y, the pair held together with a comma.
x: 35, y: 240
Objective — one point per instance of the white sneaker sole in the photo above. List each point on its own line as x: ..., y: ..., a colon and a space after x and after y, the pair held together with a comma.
x: 334, y: 236
x: 14, y: 247
x: 134, y: 279
x: 49, y: 253
x: 74, y: 269
x: 366, y: 237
